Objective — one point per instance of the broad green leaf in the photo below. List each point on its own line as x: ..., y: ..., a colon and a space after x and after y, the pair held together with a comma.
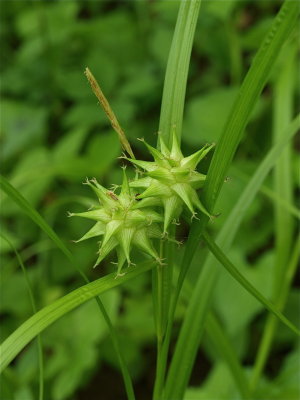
x: 33, y: 214
x: 222, y: 344
x: 286, y: 384
x: 271, y: 323
x: 22, y: 126
x: 221, y: 11
x: 219, y: 385
x: 238, y: 317
x: 82, y: 348
x: 69, y: 146
x: 33, y: 175
x: 234, y: 272
x: 201, y: 127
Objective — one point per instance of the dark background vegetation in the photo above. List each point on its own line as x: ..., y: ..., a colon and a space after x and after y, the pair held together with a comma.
x: 54, y: 134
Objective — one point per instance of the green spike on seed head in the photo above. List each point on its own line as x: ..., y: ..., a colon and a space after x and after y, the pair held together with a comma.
x: 173, y: 179
x: 122, y: 223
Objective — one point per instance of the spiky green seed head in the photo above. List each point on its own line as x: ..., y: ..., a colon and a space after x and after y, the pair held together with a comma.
x: 123, y: 222
x: 172, y: 179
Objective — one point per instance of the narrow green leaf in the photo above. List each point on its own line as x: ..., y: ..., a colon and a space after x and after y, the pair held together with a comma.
x: 171, y: 123
x: 283, y: 187
x: 234, y: 272
x: 268, y: 193
x: 222, y: 344
x: 177, y: 70
x: 12, y: 346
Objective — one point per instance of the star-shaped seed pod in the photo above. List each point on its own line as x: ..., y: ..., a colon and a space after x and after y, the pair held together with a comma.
x: 171, y: 179
x: 122, y: 223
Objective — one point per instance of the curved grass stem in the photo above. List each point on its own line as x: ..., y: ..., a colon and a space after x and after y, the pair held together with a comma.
x: 34, y: 309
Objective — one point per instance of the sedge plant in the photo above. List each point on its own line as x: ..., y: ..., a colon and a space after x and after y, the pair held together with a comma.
x: 142, y: 213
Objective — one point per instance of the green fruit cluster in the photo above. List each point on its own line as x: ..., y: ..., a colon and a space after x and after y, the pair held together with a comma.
x: 133, y: 218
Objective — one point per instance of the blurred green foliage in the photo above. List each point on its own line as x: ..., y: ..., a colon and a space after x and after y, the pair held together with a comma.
x: 54, y: 134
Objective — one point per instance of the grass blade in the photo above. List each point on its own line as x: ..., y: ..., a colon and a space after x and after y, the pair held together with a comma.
x: 11, y: 347
x: 234, y: 272
x: 283, y: 188
x: 270, y: 194
x: 252, y: 86
x: 177, y: 70
x: 171, y: 118
x: 222, y: 343
x: 34, y: 309
x: 271, y: 323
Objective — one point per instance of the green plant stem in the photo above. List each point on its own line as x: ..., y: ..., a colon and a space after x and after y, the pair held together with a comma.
x: 34, y: 309
x: 177, y: 70
x: 283, y: 187
x: 272, y: 321
x: 38, y: 219
x: 160, y: 297
x: 115, y: 341
x: 162, y: 289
